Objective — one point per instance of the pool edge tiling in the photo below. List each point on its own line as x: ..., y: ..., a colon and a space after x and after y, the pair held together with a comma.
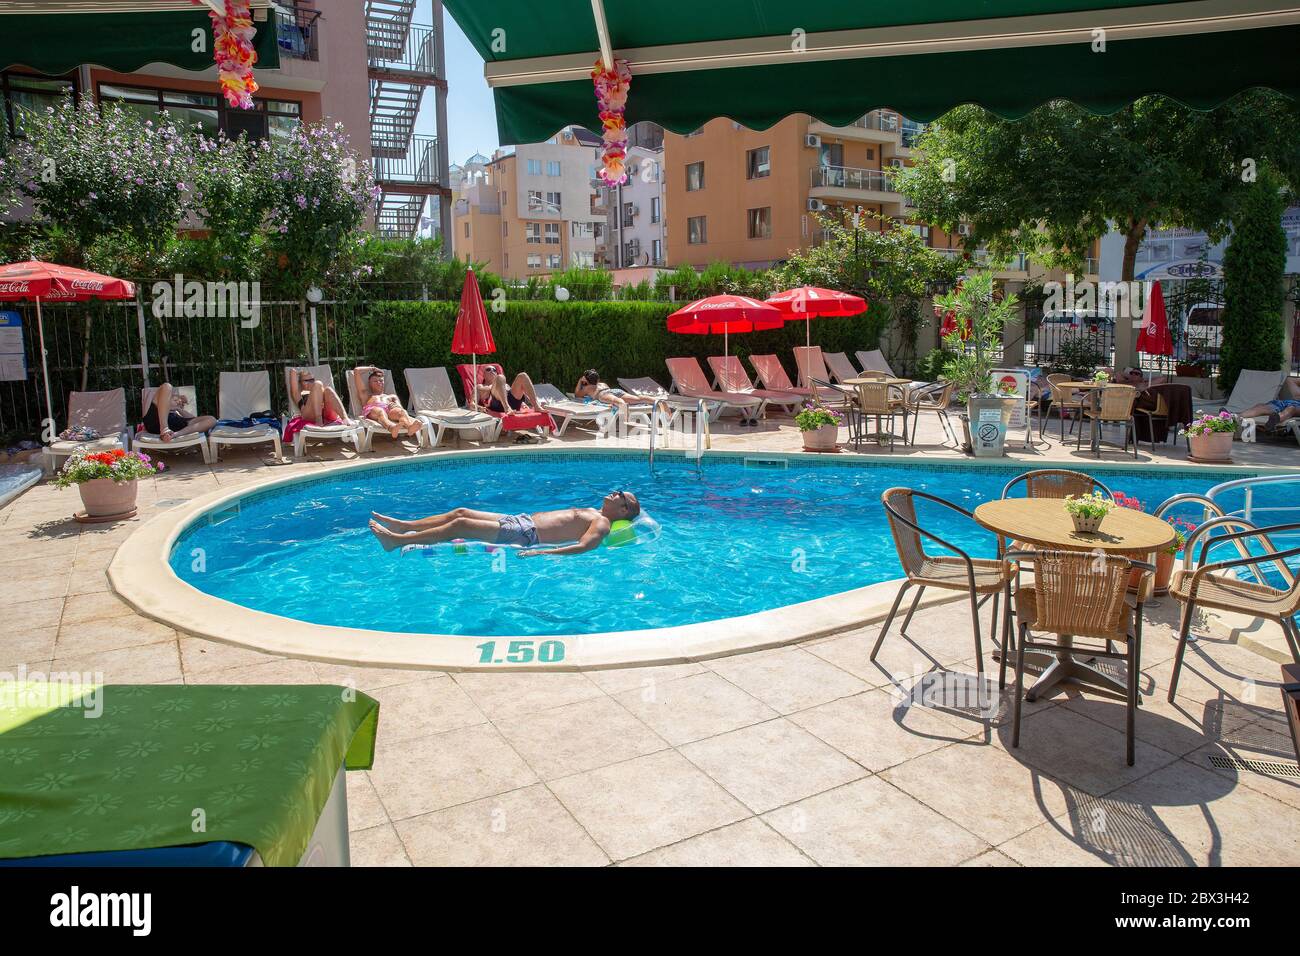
x: 141, y: 575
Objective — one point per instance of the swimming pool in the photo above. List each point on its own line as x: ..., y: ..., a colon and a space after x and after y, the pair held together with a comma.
x: 737, y: 537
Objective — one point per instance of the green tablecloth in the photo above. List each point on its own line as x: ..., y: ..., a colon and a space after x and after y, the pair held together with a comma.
x: 167, y: 765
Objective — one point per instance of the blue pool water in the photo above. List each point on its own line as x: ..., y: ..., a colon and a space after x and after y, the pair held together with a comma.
x: 734, y: 540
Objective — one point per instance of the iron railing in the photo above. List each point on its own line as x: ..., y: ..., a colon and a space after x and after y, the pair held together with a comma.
x: 418, y: 167
x: 412, y: 51
x: 849, y: 177
x: 296, y: 32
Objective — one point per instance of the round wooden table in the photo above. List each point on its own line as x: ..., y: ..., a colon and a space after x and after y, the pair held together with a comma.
x: 1044, y: 523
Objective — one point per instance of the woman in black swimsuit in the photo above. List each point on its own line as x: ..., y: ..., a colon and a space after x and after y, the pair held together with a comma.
x: 167, y: 400
x: 496, y: 395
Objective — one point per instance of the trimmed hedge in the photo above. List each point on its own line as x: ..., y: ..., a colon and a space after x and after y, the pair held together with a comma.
x: 557, y: 341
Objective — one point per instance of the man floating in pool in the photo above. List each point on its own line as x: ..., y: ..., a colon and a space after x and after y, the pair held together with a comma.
x: 585, y: 527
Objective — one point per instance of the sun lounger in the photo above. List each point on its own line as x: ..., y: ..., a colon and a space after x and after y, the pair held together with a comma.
x: 689, y: 380
x: 345, y: 431
x: 566, y: 409
x: 730, y: 376
x: 105, y: 412
x: 874, y: 361
x: 771, y: 375
x: 152, y: 442
x: 676, y: 404
x: 510, y: 421
x: 433, y: 400
x: 1252, y: 387
x: 840, y: 367
x: 370, y: 427
x: 240, y: 397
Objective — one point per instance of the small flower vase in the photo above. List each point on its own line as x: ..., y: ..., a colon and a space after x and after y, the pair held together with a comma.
x: 1086, y: 524
x: 821, y: 438
x: 105, y: 498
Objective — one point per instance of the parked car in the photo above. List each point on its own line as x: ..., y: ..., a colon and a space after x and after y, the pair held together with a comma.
x: 1202, y: 335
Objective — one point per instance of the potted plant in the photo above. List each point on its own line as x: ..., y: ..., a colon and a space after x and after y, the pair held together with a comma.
x: 820, y: 427
x: 107, y: 481
x: 1164, y: 559
x: 1101, y: 377
x: 974, y: 315
x: 1087, y: 511
x: 1209, y: 438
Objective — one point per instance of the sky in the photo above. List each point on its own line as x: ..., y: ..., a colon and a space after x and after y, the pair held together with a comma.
x: 471, y: 117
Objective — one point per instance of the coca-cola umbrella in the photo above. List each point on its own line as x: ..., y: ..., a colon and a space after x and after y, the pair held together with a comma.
x: 724, y: 314
x: 45, y: 282
x: 473, y: 335
x: 1155, y: 339
x: 808, y: 302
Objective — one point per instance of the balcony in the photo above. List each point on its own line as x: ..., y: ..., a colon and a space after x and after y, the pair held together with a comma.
x: 296, y: 32
x: 409, y: 56
x: 413, y: 173
x: 851, y: 184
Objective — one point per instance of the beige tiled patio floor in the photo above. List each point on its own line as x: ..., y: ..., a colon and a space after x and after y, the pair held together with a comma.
x: 795, y: 756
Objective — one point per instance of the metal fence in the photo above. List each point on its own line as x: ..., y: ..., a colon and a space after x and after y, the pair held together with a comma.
x: 106, y: 345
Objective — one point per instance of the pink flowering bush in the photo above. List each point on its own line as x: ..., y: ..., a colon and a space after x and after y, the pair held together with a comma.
x: 1225, y: 421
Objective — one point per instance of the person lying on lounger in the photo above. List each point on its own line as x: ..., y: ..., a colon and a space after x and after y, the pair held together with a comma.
x: 590, y: 386
x: 1282, y: 409
x: 497, y: 395
x: 169, y: 405
x: 585, y: 527
x: 317, y: 403
x: 383, y: 407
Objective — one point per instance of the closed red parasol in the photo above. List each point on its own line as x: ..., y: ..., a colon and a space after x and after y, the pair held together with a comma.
x: 1154, y: 339
x: 46, y: 282
x: 808, y: 302
x: 473, y: 335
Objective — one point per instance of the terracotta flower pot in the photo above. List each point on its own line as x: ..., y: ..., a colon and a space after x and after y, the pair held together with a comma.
x: 821, y: 438
x: 1164, y: 573
x: 105, y: 497
x: 1211, y: 446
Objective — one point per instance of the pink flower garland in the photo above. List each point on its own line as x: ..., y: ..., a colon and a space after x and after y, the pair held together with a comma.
x: 612, y: 87
x: 234, y: 54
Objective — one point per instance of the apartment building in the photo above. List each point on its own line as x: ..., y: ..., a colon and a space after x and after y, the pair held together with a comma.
x: 532, y: 210
x: 636, y: 224
x: 367, y: 65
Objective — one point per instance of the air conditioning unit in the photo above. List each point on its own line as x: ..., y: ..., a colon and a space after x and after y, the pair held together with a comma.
x: 897, y: 163
x: 812, y: 141
x: 963, y: 229
x: 633, y: 170
x: 636, y: 211
x: 816, y: 205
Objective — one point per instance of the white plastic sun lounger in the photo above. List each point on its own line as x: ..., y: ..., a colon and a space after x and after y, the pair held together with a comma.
x: 370, y: 428
x: 342, y: 432
x: 875, y: 361
x: 434, y: 402
x: 105, y: 412
x: 155, y: 443
x: 566, y: 409
x: 677, y: 404
x: 242, y: 395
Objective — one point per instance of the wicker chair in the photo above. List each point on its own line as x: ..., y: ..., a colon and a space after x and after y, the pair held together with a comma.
x: 1063, y: 400
x: 1055, y: 483
x: 880, y: 401
x: 933, y: 398
x: 1115, y: 407
x: 957, y: 571
x: 1081, y: 594
x: 1204, y: 586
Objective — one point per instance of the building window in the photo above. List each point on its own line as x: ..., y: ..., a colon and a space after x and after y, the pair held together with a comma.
x: 584, y: 260
x: 657, y: 250
x: 629, y: 211
x: 534, y: 167
x: 757, y: 163
x: 598, y: 231
x: 694, y: 177
x: 553, y: 202
x: 532, y: 232
x: 534, y: 200
x: 582, y: 230
x: 505, y: 260
x: 553, y: 261
x: 552, y: 233
x: 534, y: 260
x: 27, y: 94
x: 466, y: 230
x: 207, y: 112
x: 760, y: 223
x: 552, y: 167
x: 505, y: 228
x: 697, y: 232
x: 654, y: 209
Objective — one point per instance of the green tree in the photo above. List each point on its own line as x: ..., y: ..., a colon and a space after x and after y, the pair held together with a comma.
x: 1053, y: 182
x: 1253, y: 266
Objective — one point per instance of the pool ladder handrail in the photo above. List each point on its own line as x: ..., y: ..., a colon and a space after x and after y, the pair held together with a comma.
x: 1248, y: 485
x: 703, y: 435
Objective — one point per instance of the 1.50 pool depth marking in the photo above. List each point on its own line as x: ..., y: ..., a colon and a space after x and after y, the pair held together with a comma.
x: 522, y: 652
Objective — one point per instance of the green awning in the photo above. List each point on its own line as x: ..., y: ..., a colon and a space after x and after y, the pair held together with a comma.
x: 757, y: 61
x: 55, y: 43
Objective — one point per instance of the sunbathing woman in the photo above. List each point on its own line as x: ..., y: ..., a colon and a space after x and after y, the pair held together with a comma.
x: 169, y: 404
x: 590, y: 386
x: 496, y: 395
x: 586, y: 527
x: 383, y: 407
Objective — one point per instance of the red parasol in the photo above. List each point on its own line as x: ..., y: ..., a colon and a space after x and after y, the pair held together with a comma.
x: 809, y: 302
x: 725, y: 314
x: 1154, y: 339
x: 45, y: 281
x: 473, y: 335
